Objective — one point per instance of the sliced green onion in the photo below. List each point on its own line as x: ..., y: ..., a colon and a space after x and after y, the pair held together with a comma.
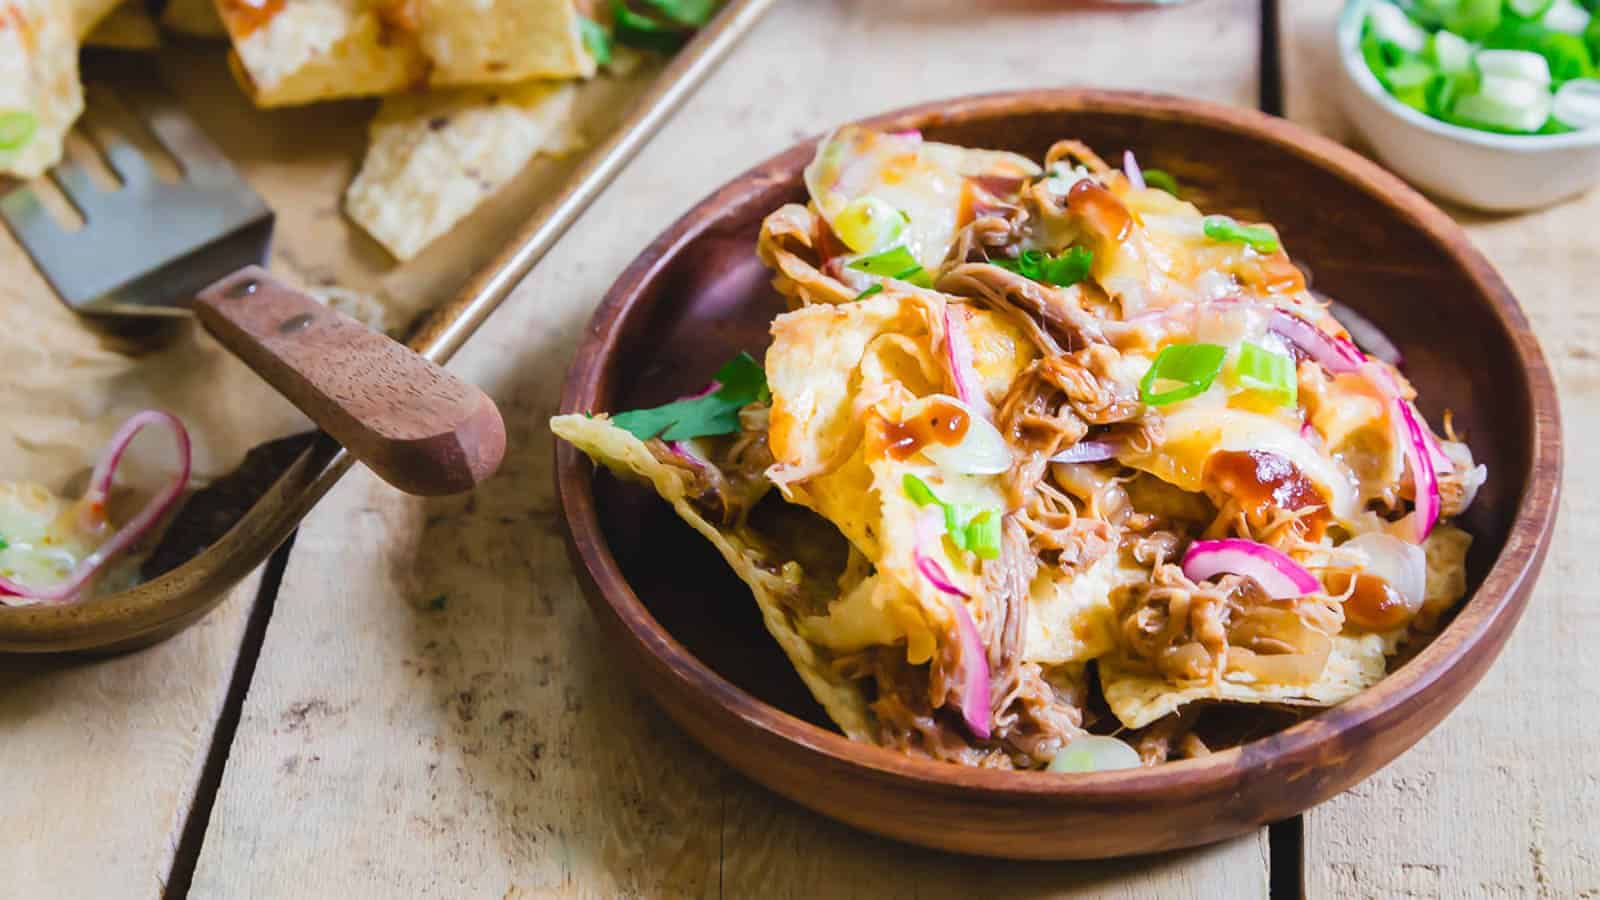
x: 1528, y: 9
x: 918, y: 491
x: 1448, y: 52
x: 1566, y: 16
x: 1161, y: 180
x: 896, y: 263
x: 1442, y: 91
x: 868, y: 223
x: 1521, y: 65
x: 1065, y: 270
x: 1474, y: 19
x: 596, y: 39
x: 16, y: 129
x: 1409, y: 83
x: 1225, y: 230
x: 1271, y: 374
x: 1391, y: 25
x: 1577, y: 104
x: 875, y: 288
x: 1193, y: 367
x: 983, y: 535
x: 1505, y: 104
x: 968, y: 529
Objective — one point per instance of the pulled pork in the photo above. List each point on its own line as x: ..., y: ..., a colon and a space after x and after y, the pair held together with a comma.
x: 1190, y: 631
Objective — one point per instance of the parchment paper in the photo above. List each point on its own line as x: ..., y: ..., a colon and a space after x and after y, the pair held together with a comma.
x: 65, y: 387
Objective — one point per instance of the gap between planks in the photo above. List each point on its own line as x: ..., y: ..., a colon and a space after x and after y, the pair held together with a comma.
x: 193, y: 835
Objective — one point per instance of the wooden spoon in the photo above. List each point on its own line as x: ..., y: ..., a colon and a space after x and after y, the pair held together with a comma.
x: 417, y: 426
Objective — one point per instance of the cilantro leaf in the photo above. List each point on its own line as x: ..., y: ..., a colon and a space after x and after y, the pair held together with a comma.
x: 739, y: 383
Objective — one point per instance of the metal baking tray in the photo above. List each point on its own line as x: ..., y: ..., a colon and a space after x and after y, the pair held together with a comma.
x: 303, y: 470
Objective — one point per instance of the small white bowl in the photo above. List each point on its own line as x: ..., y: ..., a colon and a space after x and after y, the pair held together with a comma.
x: 1497, y: 172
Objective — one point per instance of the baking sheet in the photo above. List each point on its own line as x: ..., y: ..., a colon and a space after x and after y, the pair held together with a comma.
x: 67, y: 385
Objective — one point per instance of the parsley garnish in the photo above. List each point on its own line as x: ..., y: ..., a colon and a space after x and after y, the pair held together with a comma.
x: 740, y: 382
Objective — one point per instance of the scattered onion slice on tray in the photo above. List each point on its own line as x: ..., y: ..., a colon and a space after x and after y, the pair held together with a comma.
x: 93, y: 508
x: 1281, y: 577
x: 974, y: 699
x: 1086, y: 452
x: 1130, y: 168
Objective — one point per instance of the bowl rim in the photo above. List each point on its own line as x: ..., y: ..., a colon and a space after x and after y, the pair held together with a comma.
x: 1348, y: 36
x: 1496, y: 604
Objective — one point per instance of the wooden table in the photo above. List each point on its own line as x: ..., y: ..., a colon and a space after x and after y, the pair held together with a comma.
x: 333, y: 730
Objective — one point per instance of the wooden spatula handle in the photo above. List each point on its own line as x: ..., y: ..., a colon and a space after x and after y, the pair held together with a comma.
x: 418, y: 427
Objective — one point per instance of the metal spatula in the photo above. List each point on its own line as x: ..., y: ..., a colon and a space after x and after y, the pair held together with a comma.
x: 152, y: 248
x: 148, y: 247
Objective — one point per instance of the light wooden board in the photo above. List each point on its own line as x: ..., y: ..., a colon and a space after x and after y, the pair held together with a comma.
x: 492, y: 748
x: 1503, y: 800
x: 102, y: 758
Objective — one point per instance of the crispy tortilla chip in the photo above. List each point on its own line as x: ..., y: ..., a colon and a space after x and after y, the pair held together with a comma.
x: 318, y: 50
x: 433, y: 158
x: 1071, y: 618
x: 627, y: 456
x: 127, y: 28
x: 497, y: 41
x: 324, y: 49
x: 195, y: 18
x: 39, y: 84
x: 1356, y: 663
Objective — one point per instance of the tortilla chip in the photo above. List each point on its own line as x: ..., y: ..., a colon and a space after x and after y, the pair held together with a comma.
x: 38, y: 79
x: 630, y: 458
x: 1071, y: 618
x: 318, y: 50
x: 1446, y: 549
x: 1357, y: 662
x: 433, y: 158
x: 127, y: 28
x: 498, y: 41
x: 195, y: 18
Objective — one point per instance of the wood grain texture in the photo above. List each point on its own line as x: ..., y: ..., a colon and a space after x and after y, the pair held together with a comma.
x: 494, y: 746
x: 417, y: 426
x: 102, y: 758
x: 1501, y: 800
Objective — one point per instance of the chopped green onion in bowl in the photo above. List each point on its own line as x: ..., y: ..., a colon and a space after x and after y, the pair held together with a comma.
x: 1488, y: 65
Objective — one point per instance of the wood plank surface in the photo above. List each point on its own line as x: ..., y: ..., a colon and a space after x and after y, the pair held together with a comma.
x: 102, y: 757
x: 1503, y: 800
x: 434, y: 714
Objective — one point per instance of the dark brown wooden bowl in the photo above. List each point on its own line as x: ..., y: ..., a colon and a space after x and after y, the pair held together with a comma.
x: 690, y: 629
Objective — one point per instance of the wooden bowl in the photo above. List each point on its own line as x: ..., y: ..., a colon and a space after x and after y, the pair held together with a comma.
x: 690, y: 629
